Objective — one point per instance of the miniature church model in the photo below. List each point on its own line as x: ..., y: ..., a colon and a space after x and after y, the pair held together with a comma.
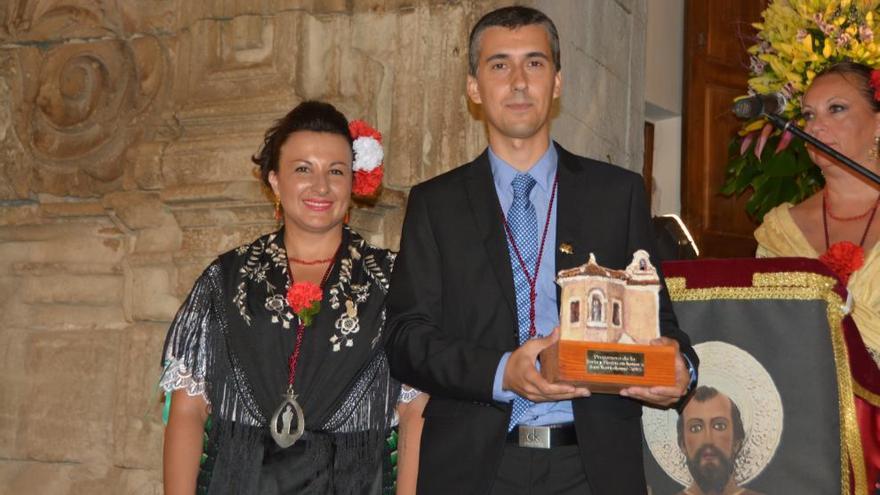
x: 604, y: 305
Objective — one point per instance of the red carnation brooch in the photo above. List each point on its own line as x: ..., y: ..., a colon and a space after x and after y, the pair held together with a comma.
x: 875, y: 83
x: 305, y: 299
x: 843, y: 258
x: 368, y: 156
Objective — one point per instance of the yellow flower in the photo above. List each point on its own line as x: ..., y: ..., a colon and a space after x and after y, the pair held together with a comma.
x: 752, y: 126
x: 794, y: 46
x: 808, y: 43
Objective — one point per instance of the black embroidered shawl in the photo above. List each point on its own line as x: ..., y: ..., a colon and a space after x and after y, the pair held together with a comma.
x: 231, y: 340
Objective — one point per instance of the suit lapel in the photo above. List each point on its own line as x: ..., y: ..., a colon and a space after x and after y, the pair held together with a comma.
x: 579, y: 210
x: 487, y: 215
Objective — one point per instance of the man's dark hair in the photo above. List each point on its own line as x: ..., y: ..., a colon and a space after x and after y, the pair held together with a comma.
x: 315, y: 116
x: 704, y: 393
x: 511, y: 18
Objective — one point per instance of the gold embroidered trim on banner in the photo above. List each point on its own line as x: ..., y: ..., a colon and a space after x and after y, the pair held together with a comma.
x: 676, y: 284
x: 793, y: 279
x: 805, y: 286
x: 846, y: 398
x: 871, y: 397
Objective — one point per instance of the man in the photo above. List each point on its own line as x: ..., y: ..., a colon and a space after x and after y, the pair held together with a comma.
x: 711, y: 435
x: 480, y: 248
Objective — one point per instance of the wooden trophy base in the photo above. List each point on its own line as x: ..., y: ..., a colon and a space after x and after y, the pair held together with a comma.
x: 609, y: 367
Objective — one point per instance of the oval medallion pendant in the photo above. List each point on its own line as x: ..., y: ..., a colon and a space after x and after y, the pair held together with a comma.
x: 284, y: 432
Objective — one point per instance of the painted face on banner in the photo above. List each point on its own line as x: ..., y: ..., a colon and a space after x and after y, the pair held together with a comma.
x: 708, y: 443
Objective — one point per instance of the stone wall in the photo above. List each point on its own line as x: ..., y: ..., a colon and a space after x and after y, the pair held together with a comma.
x: 603, y: 65
x: 126, y: 128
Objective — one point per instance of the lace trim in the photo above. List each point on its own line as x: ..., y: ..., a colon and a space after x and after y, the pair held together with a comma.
x: 408, y: 394
x: 177, y: 376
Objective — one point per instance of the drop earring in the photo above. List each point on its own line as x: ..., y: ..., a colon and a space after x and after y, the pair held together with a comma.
x: 278, y: 214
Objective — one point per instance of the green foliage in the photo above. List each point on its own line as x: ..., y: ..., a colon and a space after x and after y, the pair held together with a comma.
x: 205, y: 440
x: 306, y: 315
x: 787, y: 176
x: 389, y: 466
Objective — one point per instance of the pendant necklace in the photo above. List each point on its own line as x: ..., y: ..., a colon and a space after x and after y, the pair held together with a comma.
x: 280, y: 426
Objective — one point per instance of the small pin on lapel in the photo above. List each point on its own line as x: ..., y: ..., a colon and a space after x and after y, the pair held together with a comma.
x: 565, y: 248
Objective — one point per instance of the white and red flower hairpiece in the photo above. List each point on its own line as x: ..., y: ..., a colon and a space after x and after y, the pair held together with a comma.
x: 368, y: 156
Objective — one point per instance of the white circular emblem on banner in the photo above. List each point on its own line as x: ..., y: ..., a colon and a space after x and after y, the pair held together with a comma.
x: 738, y: 375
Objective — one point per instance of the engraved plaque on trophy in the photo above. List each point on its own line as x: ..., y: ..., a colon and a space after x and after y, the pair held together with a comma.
x: 607, y: 320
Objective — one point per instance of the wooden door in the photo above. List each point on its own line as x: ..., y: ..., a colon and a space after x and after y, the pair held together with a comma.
x: 648, y: 162
x: 717, y: 33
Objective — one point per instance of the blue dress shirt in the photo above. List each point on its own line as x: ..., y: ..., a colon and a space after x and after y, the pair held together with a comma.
x: 546, y: 308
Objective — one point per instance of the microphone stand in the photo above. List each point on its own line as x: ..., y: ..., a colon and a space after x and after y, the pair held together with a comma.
x: 787, y: 125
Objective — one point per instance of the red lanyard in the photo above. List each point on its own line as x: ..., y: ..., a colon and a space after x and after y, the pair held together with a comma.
x: 300, y: 328
x: 533, y: 280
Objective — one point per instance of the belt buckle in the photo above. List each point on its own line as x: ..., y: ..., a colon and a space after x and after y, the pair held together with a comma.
x: 534, y: 437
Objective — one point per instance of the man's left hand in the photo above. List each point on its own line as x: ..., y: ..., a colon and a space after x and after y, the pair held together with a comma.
x: 664, y: 396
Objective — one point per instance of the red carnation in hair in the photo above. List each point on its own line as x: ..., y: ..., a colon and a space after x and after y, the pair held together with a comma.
x: 843, y: 258
x: 365, y: 183
x: 359, y: 128
x: 875, y: 83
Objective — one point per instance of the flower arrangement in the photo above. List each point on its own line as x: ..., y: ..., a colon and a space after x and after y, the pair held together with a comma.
x: 305, y: 300
x: 797, y: 40
x: 368, y: 156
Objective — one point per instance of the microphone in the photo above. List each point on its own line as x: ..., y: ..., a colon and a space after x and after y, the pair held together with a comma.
x: 754, y: 106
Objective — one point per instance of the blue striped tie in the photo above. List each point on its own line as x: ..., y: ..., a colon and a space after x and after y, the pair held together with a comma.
x: 523, y: 224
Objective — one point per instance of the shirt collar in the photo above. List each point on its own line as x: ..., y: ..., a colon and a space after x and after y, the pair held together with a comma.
x: 543, y: 171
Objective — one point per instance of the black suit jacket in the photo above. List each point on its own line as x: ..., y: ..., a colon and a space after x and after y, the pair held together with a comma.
x: 452, y: 316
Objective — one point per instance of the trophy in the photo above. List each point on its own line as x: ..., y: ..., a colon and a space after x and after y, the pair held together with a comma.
x: 607, y: 320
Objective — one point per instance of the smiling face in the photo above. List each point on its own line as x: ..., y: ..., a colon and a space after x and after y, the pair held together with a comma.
x: 838, y: 114
x: 516, y: 82
x: 313, y: 181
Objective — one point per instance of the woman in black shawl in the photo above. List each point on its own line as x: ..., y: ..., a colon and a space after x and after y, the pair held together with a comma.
x: 296, y: 398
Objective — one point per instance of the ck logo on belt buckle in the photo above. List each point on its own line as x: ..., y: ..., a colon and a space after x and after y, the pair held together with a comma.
x: 535, y: 437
